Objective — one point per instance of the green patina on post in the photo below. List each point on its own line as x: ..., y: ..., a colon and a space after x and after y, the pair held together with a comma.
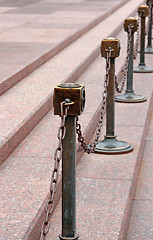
x: 149, y: 48
x: 129, y: 96
x: 110, y: 107
x: 69, y: 181
x: 74, y: 96
x: 110, y: 144
x: 142, y: 68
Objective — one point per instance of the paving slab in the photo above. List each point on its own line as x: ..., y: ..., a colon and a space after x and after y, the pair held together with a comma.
x: 44, y: 22
x: 100, y: 208
x: 37, y: 90
x: 35, y: 155
x: 16, y: 185
x: 144, y: 186
x: 141, y: 220
x: 99, y: 203
x: 4, y: 9
x: 105, y: 168
x: 25, y: 165
x: 16, y: 3
x: 101, y: 219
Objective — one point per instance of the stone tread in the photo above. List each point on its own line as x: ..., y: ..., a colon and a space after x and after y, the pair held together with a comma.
x: 106, y: 183
x: 141, y: 220
x: 34, y: 93
x: 29, y: 36
x: 31, y: 163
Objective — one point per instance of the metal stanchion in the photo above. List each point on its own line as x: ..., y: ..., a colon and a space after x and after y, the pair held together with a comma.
x: 72, y: 94
x: 110, y: 145
x: 130, y: 26
x: 149, y: 48
x: 142, y: 68
x: 69, y: 181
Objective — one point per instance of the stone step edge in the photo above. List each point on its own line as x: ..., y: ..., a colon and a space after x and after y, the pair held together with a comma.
x: 132, y: 190
x: 17, y: 77
x: 34, y: 229
x: 33, y: 232
x: 11, y: 141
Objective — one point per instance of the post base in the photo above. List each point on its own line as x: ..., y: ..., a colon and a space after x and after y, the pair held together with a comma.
x: 142, y: 69
x: 110, y: 145
x: 149, y: 50
x: 130, y: 97
x: 69, y: 238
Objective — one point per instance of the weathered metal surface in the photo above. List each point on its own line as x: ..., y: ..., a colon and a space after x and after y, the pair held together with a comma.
x: 149, y: 48
x: 55, y: 172
x: 120, y: 86
x: 110, y: 145
x: 129, y: 96
x: 110, y: 108
x: 143, y: 10
x: 131, y: 21
x: 142, y: 68
x: 110, y: 43
x: 75, y: 92
x: 74, y: 98
x: 91, y: 147
x: 137, y: 38
x: 67, y: 238
x: 69, y: 181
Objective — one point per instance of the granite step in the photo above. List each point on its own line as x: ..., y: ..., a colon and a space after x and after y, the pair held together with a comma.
x: 106, y: 184
x: 33, y: 32
x: 25, y: 175
x: 141, y: 220
x: 25, y: 104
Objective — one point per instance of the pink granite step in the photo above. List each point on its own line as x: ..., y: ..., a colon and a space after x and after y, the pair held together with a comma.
x: 25, y: 175
x: 106, y: 184
x: 31, y: 99
x: 141, y: 219
x: 33, y: 32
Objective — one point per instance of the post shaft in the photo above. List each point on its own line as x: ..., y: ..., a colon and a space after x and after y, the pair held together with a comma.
x: 110, y: 106
x: 130, y: 66
x: 142, y: 39
x: 150, y: 30
x: 69, y: 179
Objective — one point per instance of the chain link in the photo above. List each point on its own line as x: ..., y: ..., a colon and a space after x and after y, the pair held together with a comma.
x: 62, y: 130
x: 137, y: 38
x: 55, y: 173
x: 125, y: 68
x: 102, y: 112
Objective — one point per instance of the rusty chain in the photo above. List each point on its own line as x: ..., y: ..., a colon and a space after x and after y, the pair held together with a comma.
x: 102, y: 112
x: 62, y: 130
x: 137, y: 38
x: 55, y: 172
x: 125, y: 68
